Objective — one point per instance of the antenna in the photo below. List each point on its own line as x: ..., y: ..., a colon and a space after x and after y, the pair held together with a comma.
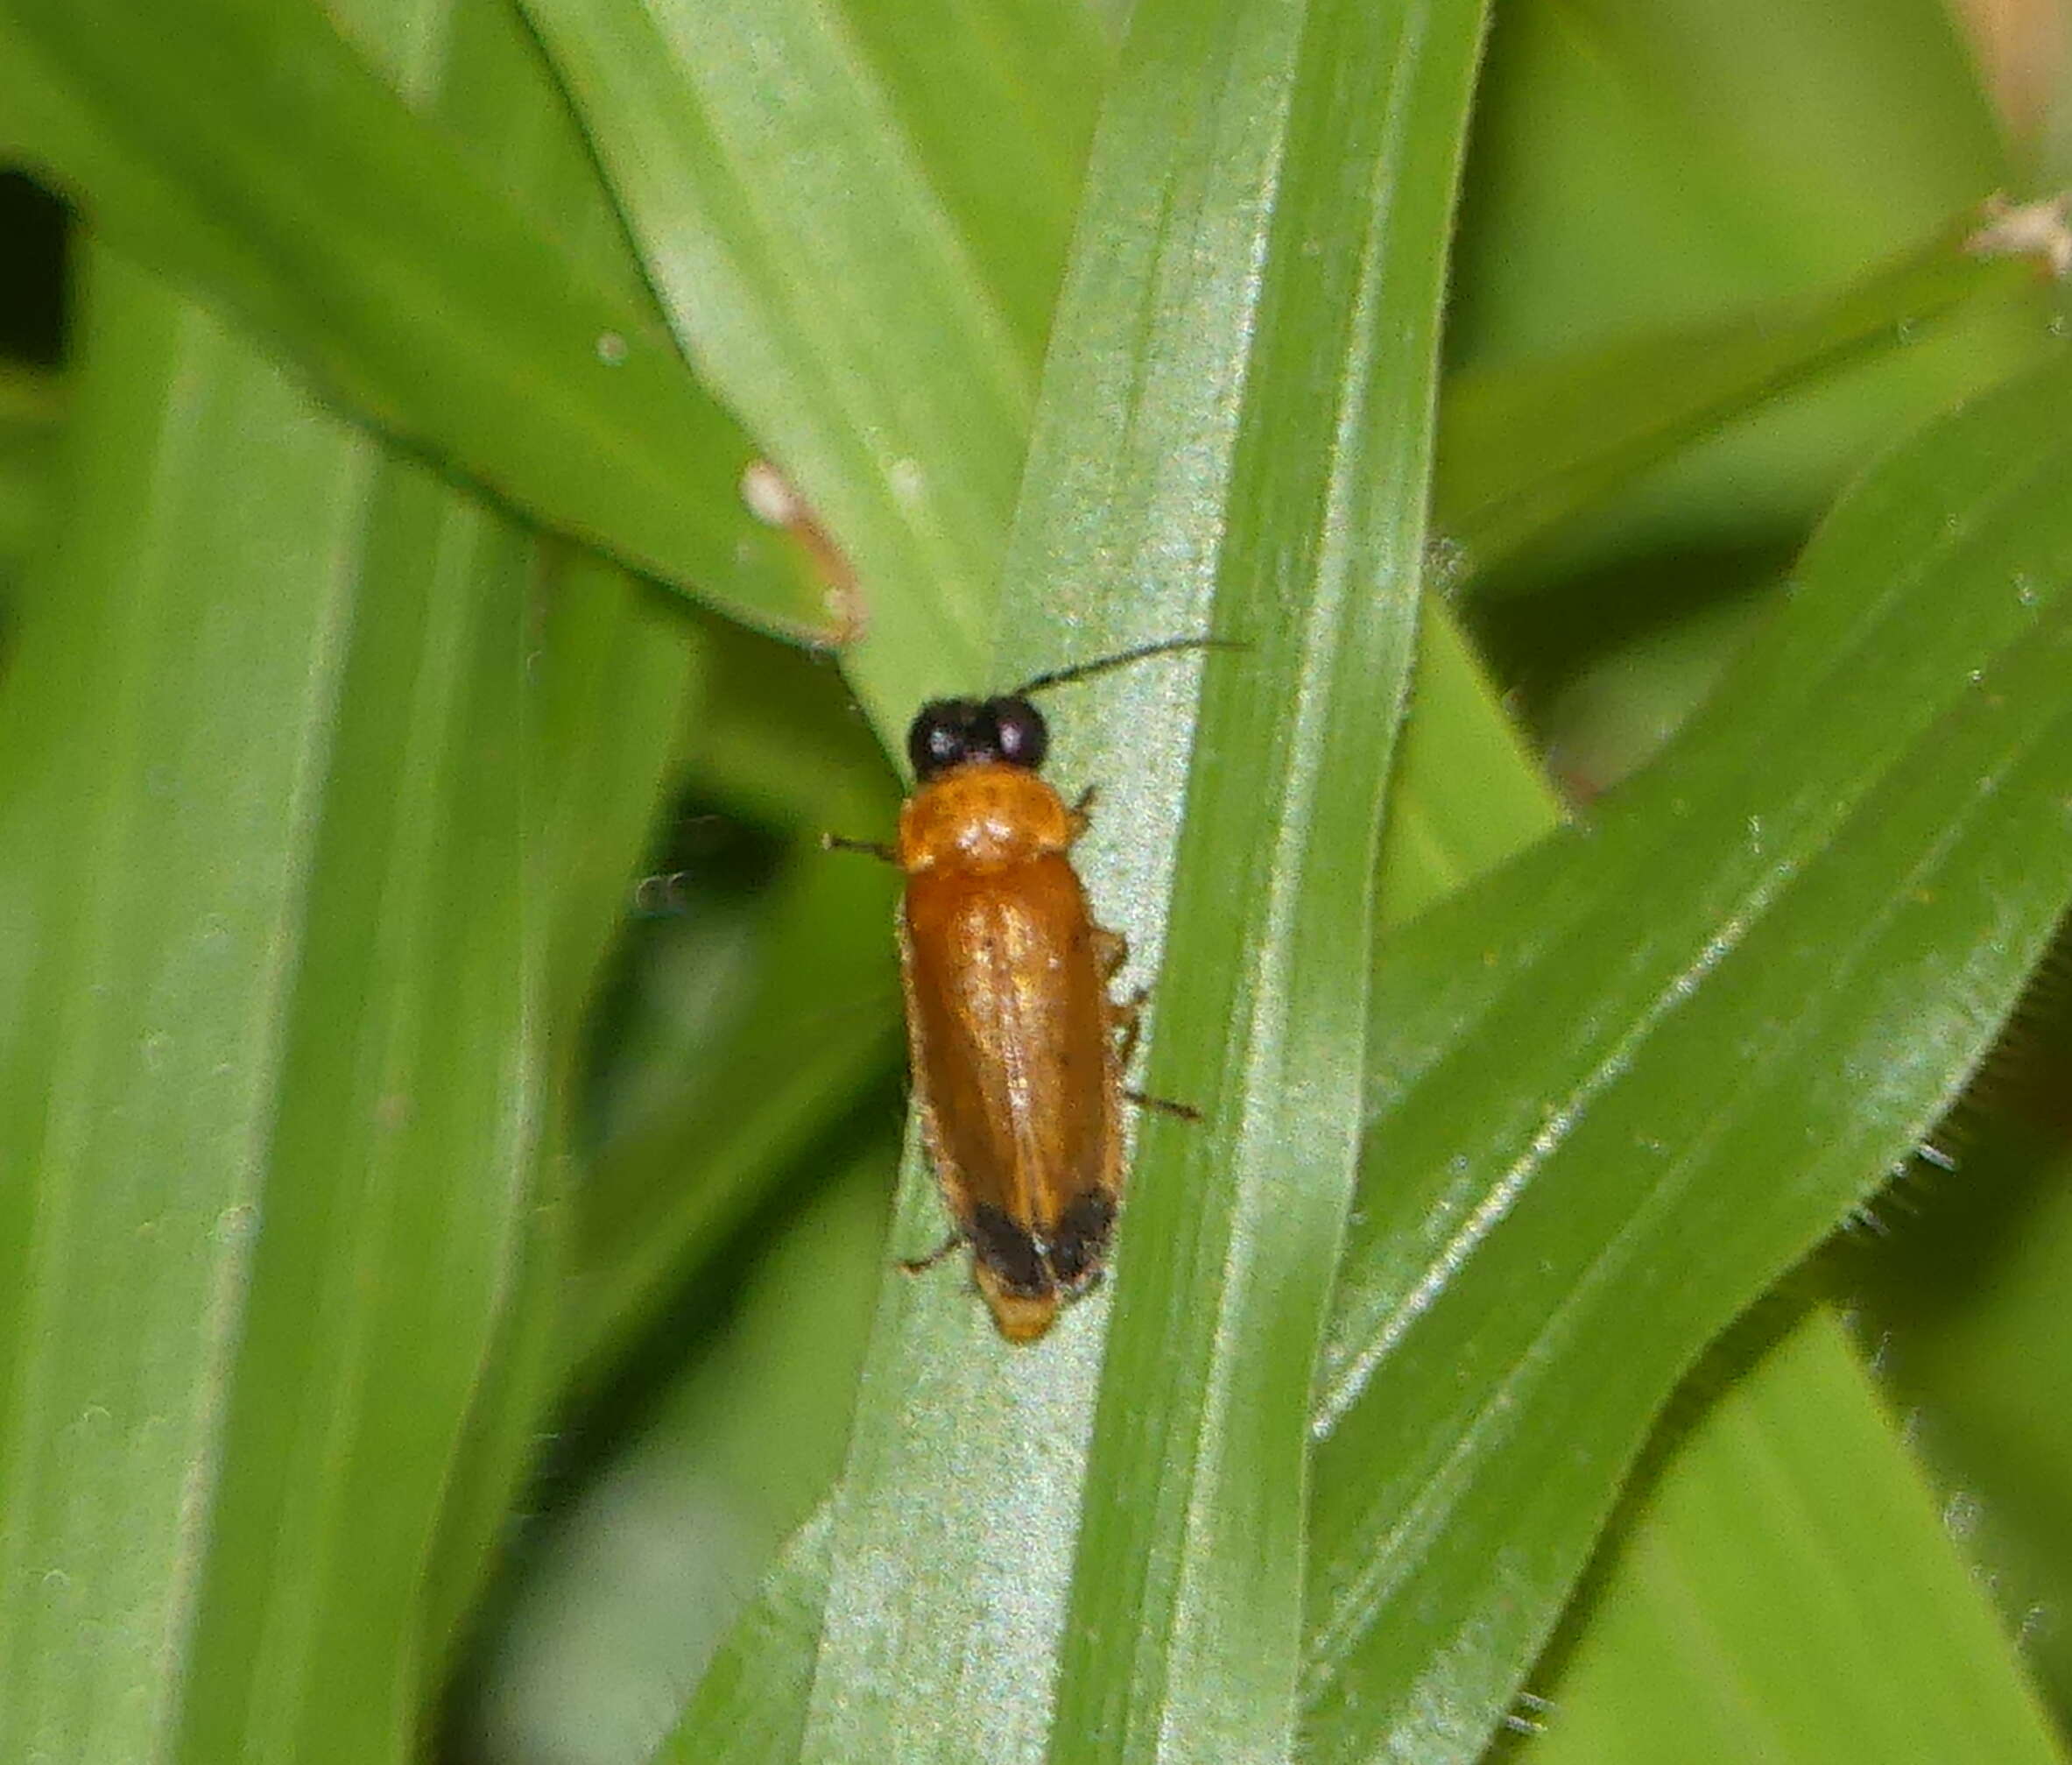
x: 1079, y: 671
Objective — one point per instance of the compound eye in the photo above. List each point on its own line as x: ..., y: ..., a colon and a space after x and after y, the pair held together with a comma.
x: 941, y: 737
x: 1022, y: 738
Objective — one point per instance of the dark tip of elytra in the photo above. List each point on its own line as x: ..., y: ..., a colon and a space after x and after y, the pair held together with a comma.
x: 1009, y: 1251
x: 1079, y: 1241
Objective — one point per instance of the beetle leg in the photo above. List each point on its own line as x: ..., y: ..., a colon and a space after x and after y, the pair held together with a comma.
x: 835, y: 843
x: 1165, y: 1105
x: 922, y: 1265
x: 1082, y: 810
x: 1128, y: 1017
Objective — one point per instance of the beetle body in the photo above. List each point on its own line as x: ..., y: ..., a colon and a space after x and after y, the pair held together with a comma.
x: 1017, y: 1048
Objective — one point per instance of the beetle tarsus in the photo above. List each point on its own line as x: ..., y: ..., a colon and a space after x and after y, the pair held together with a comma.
x: 1165, y: 1105
x: 877, y: 848
x: 922, y: 1265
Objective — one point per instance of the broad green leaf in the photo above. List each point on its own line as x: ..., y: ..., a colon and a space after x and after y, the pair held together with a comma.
x: 245, y: 147
x: 1588, y: 1116
x: 1527, y: 446
x: 1769, y: 1599
x: 854, y: 216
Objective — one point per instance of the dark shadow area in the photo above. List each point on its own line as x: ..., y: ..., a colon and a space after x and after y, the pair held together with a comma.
x: 35, y: 228
x: 1537, y: 640
x: 707, y: 865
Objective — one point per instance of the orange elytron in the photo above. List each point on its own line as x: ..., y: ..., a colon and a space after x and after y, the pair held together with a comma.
x: 1017, y: 1050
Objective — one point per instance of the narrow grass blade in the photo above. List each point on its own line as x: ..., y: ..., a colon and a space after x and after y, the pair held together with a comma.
x: 1585, y: 1119
x: 246, y: 148
x: 1192, y: 1541
x: 1788, y: 1591
x: 207, y: 1289
x: 952, y: 1532
x: 856, y: 216
x: 1527, y: 447
x: 1642, y: 167
x: 402, y: 1145
x: 939, y: 1637
x: 614, y: 665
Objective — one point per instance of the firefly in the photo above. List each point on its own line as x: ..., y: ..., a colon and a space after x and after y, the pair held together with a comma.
x: 1017, y: 1048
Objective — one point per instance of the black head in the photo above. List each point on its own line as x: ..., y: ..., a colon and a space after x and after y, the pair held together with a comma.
x: 953, y: 733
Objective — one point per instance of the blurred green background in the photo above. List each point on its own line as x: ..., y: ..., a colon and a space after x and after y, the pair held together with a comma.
x: 716, y: 1149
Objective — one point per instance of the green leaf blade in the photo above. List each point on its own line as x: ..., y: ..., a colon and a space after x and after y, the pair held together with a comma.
x: 554, y: 389
x: 138, y: 1117
x: 888, y: 1663
x: 1526, y: 449
x: 938, y: 1642
x: 401, y: 1157
x: 1667, y: 1113
x: 1790, y: 1590
x: 1192, y: 1540
x: 806, y: 203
